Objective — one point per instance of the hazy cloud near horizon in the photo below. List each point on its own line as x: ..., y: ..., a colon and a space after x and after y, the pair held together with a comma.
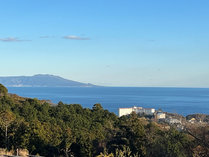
x: 74, y: 37
x: 12, y: 39
x: 47, y: 36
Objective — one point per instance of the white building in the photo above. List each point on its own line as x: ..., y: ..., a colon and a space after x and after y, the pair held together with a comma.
x: 172, y: 121
x: 137, y: 110
x: 148, y: 111
x: 160, y: 115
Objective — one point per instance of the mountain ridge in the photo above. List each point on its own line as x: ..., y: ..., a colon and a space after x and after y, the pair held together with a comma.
x: 41, y: 80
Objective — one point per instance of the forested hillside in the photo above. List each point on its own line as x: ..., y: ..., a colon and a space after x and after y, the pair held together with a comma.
x: 71, y: 130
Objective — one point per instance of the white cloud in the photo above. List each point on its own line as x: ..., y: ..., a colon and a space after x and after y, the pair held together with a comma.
x: 11, y: 39
x: 47, y: 36
x: 73, y: 37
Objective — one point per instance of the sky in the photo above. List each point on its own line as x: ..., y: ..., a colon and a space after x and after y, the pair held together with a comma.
x: 142, y: 43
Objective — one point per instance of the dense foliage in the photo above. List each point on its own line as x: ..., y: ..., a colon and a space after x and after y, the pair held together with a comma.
x: 71, y: 130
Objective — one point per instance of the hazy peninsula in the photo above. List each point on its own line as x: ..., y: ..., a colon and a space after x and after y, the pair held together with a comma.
x: 41, y: 80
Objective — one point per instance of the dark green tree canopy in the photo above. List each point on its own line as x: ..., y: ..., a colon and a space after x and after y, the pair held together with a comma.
x: 3, y: 90
x: 97, y: 107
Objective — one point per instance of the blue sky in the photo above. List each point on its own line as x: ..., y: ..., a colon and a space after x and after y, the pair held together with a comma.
x: 107, y: 42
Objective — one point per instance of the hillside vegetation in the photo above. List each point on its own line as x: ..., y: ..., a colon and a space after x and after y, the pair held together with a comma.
x: 71, y: 130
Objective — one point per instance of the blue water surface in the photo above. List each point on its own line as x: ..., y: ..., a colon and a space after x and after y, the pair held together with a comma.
x: 176, y: 100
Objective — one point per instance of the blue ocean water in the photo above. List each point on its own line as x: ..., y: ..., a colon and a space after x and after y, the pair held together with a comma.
x: 176, y: 100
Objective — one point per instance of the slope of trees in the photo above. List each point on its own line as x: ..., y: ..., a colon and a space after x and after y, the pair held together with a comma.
x: 71, y: 130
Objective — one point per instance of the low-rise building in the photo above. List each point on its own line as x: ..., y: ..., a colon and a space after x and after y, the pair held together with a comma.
x: 192, y: 120
x: 160, y: 115
x: 148, y: 111
x: 172, y: 121
x: 137, y: 110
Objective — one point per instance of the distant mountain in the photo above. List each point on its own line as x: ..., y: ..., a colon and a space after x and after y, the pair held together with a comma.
x: 41, y: 80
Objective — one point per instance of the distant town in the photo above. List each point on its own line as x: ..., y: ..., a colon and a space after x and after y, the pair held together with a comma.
x: 167, y: 118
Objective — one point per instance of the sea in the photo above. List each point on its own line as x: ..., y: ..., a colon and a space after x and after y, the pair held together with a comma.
x: 182, y: 101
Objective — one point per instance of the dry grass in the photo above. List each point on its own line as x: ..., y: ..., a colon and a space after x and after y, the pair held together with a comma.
x: 21, y: 152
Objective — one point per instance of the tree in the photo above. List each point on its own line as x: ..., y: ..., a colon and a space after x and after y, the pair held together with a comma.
x: 201, y: 139
x: 3, y: 90
x: 97, y: 107
x: 67, y: 140
x: 131, y: 133
x: 6, y: 118
x: 21, y: 134
x: 171, y: 143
